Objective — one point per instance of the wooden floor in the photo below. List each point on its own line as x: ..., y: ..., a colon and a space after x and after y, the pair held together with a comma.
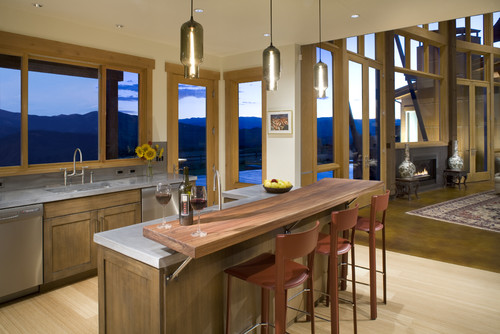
x: 424, y: 295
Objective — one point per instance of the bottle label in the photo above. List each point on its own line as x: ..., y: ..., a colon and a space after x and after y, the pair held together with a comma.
x: 184, y: 205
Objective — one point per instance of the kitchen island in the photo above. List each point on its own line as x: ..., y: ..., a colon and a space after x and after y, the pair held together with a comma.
x: 138, y: 294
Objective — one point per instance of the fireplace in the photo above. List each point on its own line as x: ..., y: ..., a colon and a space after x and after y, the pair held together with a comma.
x: 430, y: 158
x: 425, y: 169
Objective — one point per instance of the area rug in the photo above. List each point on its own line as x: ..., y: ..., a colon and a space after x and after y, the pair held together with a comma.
x: 480, y: 210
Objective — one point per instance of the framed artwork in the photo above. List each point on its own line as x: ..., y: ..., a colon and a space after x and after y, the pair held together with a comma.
x: 279, y: 122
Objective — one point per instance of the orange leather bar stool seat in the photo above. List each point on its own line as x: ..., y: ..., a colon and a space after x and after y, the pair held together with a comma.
x: 332, y: 245
x: 372, y: 224
x: 279, y: 272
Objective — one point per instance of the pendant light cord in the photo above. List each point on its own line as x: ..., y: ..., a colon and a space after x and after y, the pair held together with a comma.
x: 320, y: 30
x: 191, y: 10
x: 271, y: 11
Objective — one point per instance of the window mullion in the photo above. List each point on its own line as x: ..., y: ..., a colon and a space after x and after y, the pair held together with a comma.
x: 24, y: 112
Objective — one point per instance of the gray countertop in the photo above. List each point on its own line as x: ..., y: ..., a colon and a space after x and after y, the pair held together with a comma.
x: 15, y: 198
x: 129, y: 240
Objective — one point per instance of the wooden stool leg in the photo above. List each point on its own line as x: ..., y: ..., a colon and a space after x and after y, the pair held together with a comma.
x: 228, y: 303
x: 373, y: 276
x: 327, y: 303
x: 265, y: 310
x: 384, y: 268
x: 353, y: 278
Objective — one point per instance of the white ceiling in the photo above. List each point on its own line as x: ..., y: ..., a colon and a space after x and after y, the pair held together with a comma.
x: 237, y: 26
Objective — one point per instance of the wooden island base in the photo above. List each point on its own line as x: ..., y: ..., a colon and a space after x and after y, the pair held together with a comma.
x: 135, y: 298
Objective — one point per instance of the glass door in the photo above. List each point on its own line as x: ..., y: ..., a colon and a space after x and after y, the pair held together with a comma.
x: 364, y: 121
x: 472, y: 134
x: 191, y: 130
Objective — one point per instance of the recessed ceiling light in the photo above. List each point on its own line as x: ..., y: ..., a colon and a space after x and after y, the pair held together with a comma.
x: 119, y: 26
x: 198, y: 10
x: 267, y: 34
x: 354, y: 16
x: 37, y: 5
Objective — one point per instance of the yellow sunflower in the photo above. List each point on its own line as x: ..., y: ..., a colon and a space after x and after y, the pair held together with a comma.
x: 150, y: 154
x: 139, y: 151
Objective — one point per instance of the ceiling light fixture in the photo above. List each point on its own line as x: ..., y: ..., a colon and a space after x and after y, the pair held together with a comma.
x: 191, y: 46
x: 354, y: 16
x: 198, y: 10
x: 119, y: 26
x: 271, y: 61
x: 37, y: 5
x: 320, y: 71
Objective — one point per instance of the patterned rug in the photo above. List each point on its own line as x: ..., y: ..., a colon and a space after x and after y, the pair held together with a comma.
x: 480, y: 210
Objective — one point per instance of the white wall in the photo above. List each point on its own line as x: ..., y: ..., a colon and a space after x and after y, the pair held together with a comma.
x: 283, y: 153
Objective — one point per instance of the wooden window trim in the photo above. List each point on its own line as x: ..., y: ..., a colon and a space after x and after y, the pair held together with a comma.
x: 232, y: 79
x: 43, y: 49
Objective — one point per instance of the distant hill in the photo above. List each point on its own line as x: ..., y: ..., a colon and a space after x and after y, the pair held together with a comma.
x: 54, y: 138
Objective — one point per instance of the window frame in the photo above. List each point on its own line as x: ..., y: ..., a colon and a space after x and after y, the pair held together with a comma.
x: 232, y: 80
x: 48, y: 50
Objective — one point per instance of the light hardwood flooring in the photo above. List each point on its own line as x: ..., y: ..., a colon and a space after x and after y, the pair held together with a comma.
x: 424, y: 296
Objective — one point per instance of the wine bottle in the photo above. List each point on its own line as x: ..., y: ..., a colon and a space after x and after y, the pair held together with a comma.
x: 185, y: 211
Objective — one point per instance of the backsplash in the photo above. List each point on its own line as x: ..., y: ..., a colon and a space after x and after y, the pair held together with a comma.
x: 10, y: 183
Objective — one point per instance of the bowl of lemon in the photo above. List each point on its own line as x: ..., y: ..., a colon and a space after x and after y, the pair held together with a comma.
x: 277, y: 186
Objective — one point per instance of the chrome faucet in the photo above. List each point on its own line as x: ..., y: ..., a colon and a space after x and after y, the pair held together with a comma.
x: 74, y: 173
x: 217, y: 182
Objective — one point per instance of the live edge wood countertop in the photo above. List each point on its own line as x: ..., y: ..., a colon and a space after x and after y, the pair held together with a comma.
x: 234, y: 225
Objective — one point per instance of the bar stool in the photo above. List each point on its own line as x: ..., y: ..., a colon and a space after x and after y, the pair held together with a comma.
x: 279, y: 273
x: 379, y: 204
x: 333, y: 246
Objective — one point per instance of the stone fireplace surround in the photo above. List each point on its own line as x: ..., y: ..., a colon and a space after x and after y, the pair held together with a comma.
x: 434, y: 154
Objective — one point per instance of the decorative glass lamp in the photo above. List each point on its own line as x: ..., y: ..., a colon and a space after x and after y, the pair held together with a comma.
x: 191, y: 46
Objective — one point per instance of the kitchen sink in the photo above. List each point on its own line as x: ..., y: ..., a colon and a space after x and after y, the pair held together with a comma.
x: 79, y: 187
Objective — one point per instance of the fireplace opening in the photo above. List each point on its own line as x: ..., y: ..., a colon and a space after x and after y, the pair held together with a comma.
x: 425, y: 170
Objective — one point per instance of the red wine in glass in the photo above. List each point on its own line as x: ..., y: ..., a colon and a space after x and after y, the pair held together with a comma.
x: 163, y: 195
x: 198, y: 202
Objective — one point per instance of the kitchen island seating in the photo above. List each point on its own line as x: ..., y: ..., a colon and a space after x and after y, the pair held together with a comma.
x: 333, y: 246
x: 279, y: 272
x: 372, y: 224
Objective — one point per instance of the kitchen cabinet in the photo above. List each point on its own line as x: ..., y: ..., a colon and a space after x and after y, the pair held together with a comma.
x: 69, y: 228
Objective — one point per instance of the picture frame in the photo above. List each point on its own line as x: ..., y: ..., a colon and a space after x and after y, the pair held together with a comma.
x: 279, y: 122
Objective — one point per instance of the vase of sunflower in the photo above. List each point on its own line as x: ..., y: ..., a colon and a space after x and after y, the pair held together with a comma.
x: 149, y: 152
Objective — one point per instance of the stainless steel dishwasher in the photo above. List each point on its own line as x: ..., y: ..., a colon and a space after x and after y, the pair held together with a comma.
x: 151, y: 209
x: 21, y: 253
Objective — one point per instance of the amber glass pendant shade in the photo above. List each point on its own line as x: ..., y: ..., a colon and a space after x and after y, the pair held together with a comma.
x: 191, y: 47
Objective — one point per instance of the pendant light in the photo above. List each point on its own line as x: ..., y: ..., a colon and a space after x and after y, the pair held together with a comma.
x: 191, y: 46
x: 320, y: 71
x: 271, y: 61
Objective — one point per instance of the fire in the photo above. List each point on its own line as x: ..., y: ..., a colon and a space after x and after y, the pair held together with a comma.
x: 424, y: 172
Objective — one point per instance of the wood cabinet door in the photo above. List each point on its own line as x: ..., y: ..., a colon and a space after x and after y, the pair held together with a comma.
x: 119, y: 216
x: 68, y: 245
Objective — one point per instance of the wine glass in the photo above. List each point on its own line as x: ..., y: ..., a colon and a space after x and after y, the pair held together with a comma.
x: 198, y: 202
x: 163, y: 195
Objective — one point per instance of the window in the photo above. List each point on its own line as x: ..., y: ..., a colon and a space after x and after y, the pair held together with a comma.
x: 250, y: 132
x: 63, y: 104
x: 496, y: 22
x: 70, y: 103
x: 421, y: 95
x: 352, y: 44
x: 245, y: 128
x: 10, y: 110
x: 417, y: 96
x: 324, y: 115
x: 122, y: 114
